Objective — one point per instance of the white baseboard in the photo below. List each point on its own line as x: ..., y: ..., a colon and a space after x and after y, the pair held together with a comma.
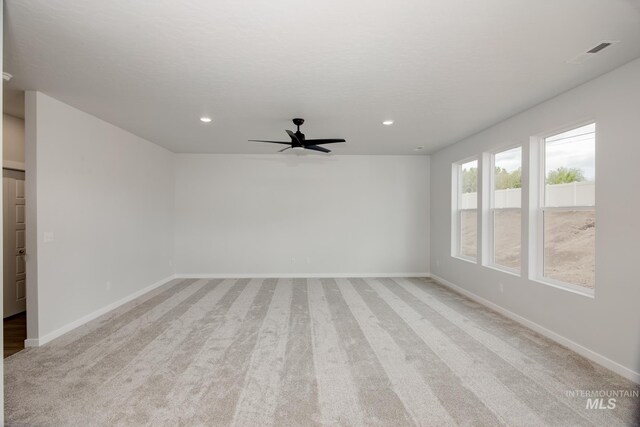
x: 37, y: 342
x: 581, y: 350
x: 293, y: 275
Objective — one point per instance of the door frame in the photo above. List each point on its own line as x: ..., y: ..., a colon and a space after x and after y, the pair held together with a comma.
x: 16, y: 174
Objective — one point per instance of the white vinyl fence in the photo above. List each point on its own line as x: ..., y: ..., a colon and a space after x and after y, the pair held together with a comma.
x: 572, y: 194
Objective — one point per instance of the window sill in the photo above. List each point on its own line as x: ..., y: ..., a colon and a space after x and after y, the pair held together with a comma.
x: 501, y: 269
x: 589, y: 293
x: 465, y: 259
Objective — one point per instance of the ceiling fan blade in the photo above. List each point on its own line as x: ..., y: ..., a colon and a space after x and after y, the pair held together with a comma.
x: 284, y: 149
x: 316, y: 148
x: 323, y: 141
x: 294, y: 137
x: 273, y: 142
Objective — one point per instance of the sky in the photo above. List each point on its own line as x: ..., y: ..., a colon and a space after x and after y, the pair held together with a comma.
x: 510, y: 159
x: 572, y: 149
x: 470, y: 165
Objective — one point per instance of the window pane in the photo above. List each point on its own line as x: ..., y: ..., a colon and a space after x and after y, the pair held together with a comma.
x: 507, y: 175
x: 468, y: 233
x: 507, y: 200
x: 506, y: 237
x: 468, y: 193
x: 569, y: 246
x: 469, y: 185
x: 570, y: 168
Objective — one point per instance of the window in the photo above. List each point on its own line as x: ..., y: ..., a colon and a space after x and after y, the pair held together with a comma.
x: 467, y: 210
x: 568, y: 222
x: 505, y: 220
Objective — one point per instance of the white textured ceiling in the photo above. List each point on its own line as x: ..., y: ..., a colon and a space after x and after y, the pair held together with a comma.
x: 442, y: 69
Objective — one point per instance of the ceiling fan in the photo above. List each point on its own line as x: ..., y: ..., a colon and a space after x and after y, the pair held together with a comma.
x: 299, y: 142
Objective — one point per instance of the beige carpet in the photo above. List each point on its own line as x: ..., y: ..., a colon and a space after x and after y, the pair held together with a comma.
x: 303, y: 352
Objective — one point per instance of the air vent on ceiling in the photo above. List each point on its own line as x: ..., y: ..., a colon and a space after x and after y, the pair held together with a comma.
x: 601, y: 46
x: 591, y: 52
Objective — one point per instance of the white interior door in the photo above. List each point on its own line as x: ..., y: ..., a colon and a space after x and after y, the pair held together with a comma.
x: 15, y: 288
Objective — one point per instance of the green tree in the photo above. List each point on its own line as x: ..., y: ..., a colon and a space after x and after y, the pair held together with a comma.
x: 470, y: 180
x: 564, y: 175
x: 504, y: 179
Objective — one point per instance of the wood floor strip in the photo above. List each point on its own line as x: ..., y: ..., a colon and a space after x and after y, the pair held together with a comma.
x: 15, y: 332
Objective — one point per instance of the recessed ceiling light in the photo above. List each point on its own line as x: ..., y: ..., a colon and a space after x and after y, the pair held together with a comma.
x: 387, y: 122
x: 418, y: 148
x: 205, y: 119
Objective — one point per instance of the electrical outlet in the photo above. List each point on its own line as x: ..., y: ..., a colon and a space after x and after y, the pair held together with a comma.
x: 108, y: 286
x: 437, y: 263
x: 293, y: 260
x: 48, y: 236
x: 501, y: 286
x: 308, y: 260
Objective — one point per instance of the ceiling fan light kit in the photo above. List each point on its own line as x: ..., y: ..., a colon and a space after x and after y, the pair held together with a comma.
x: 299, y: 142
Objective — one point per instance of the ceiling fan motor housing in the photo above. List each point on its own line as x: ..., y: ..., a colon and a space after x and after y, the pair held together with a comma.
x: 298, y: 122
x: 299, y: 141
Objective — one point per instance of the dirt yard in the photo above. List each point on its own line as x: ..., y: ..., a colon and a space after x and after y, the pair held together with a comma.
x: 569, y: 251
x: 569, y: 247
x: 507, y: 238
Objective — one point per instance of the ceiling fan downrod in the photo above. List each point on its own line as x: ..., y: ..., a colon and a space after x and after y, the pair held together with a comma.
x: 298, y: 122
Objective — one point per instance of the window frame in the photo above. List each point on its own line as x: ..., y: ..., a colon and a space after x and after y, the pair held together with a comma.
x: 456, y: 232
x: 491, y: 249
x: 541, y: 208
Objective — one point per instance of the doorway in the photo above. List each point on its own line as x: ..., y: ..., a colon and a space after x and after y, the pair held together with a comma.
x: 14, y: 280
x: 14, y: 223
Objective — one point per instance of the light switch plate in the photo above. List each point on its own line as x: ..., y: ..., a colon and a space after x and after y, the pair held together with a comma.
x: 48, y: 236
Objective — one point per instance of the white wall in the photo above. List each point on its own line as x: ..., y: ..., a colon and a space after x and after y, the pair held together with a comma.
x: 608, y: 324
x: 107, y: 197
x: 13, y: 142
x: 301, y: 215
